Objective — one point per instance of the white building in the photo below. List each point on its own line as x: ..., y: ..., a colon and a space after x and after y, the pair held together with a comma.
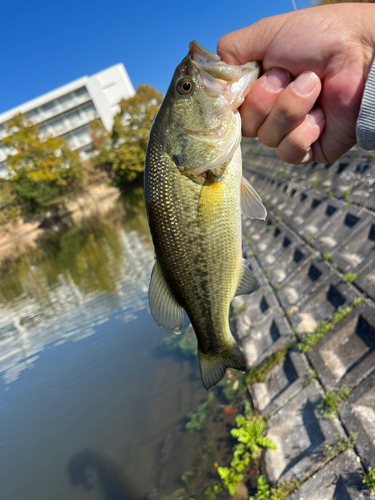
x: 68, y: 110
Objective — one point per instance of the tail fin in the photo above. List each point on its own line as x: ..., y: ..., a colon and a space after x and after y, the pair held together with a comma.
x: 213, y: 366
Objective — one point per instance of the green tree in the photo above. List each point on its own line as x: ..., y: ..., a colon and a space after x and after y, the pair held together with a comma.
x: 122, y: 151
x: 42, y: 169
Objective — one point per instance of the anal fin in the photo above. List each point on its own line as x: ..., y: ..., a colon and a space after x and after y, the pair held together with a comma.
x: 165, y: 309
x: 248, y: 282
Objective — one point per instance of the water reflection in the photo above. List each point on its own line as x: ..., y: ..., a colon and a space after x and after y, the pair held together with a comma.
x: 71, y: 283
x: 89, y: 409
x: 90, y: 468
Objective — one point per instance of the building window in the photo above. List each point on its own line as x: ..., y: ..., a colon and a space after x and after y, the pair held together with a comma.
x: 80, y: 92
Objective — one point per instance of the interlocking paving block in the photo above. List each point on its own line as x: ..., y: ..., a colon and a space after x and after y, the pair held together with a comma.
x: 322, y: 304
x: 300, y: 433
x: 275, y: 195
x: 305, y: 281
x: 275, y: 245
x: 293, y: 191
x: 338, y: 177
x: 270, y: 335
x: 358, y: 248
x: 358, y: 416
x: 310, y: 204
x: 316, y: 172
x: 326, y: 213
x: 294, y: 202
x: 362, y: 190
x: 346, y: 354
x: 341, y: 479
x: 281, y: 384
x: 259, y: 180
x: 270, y: 243
x: 255, y: 307
x: 346, y: 225
x: 288, y: 259
x: 365, y: 279
x: 256, y: 227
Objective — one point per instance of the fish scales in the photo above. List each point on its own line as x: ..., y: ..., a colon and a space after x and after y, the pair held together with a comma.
x: 195, y: 222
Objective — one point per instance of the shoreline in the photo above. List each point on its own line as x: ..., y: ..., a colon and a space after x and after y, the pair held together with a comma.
x: 23, y: 236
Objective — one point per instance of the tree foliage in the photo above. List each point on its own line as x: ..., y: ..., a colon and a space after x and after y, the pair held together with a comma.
x: 122, y: 151
x: 42, y: 170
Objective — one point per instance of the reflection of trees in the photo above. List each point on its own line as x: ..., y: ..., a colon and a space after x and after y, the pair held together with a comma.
x: 110, y: 477
x: 75, y: 277
x: 90, y: 253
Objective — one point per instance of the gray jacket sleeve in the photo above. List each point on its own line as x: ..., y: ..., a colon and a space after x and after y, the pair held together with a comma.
x: 366, y: 119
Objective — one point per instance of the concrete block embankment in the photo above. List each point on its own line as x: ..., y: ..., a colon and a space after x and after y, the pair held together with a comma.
x: 309, y: 331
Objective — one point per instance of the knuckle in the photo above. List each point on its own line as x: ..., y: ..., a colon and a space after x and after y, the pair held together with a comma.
x: 266, y: 138
x: 292, y: 150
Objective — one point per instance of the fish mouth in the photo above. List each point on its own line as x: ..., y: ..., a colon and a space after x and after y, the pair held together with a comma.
x: 221, y: 78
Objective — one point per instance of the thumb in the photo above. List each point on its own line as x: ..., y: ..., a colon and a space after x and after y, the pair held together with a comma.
x: 251, y: 43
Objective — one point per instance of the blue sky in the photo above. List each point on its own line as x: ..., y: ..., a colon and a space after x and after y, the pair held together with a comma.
x: 46, y: 44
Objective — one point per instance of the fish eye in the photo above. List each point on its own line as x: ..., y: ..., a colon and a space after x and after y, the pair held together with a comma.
x: 185, y: 87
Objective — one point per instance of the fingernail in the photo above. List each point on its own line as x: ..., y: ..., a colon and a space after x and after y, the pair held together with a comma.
x: 276, y: 79
x: 316, y: 117
x: 308, y: 157
x: 305, y: 83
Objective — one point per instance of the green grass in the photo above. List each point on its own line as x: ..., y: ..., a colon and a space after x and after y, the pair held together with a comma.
x: 369, y: 479
x: 237, y: 311
x: 348, y: 278
x: 315, y: 182
x: 249, y: 434
x: 277, y: 288
x: 310, y: 239
x: 326, y: 256
x: 330, y: 402
x: 339, y: 446
x: 324, y: 327
x: 280, y: 173
x: 282, y: 490
x: 312, y: 375
x: 345, y: 194
x: 259, y: 373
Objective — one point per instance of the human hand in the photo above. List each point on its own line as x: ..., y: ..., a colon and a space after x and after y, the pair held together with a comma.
x: 315, y: 63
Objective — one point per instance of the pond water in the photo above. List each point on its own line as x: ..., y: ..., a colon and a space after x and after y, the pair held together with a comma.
x: 91, y: 407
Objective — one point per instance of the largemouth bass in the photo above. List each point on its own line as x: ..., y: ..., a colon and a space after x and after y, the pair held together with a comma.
x: 194, y: 193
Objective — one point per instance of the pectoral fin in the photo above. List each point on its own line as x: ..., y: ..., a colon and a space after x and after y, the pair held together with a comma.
x: 165, y: 309
x: 248, y: 282
x: 251, y: 204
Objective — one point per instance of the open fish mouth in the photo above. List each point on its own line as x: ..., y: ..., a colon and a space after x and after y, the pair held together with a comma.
x: 221, y: 78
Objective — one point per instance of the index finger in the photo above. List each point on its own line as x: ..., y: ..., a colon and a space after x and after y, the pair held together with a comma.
x: 251, y: 43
